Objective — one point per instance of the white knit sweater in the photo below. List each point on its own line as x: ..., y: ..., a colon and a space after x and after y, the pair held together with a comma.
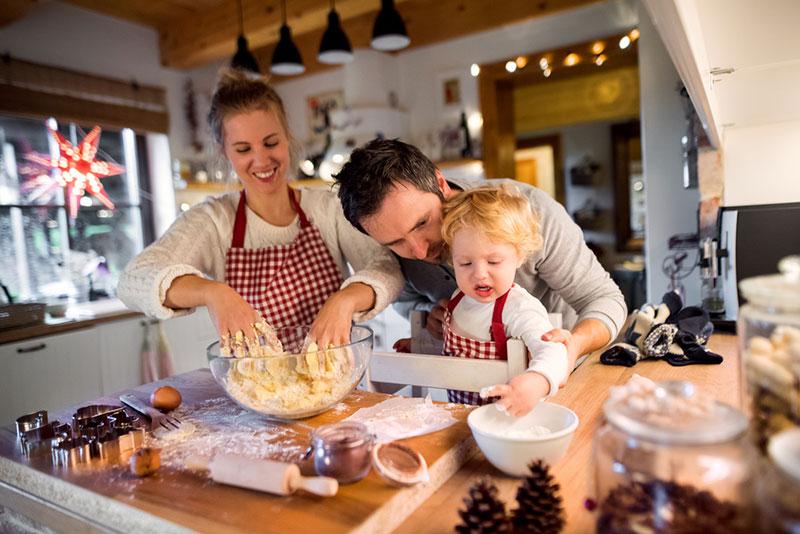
x: 198, y: 240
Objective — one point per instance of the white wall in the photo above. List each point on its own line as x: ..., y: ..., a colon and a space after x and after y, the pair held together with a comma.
x: 591, y: 139
x: 670, y: 208
x: 761, y: 164
x: 63, y: 35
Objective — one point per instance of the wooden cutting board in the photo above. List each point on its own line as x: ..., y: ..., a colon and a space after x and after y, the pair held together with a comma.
x: 109, y: 497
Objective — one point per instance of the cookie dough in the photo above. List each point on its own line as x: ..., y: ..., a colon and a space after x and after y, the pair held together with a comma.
x: 292, y: 384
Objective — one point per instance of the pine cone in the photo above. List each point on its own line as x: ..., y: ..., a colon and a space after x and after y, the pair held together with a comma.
x: 539, y: 504
x: 485, y: 513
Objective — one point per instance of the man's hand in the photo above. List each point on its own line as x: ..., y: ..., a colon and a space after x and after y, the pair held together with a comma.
x: 436, y: 318
x: 559, y: 335
x: 402, y: 345
x: 587, y: 336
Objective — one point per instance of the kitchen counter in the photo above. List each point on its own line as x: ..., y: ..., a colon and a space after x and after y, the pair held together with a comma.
x: 78, y: 316
x: 174, y: 501
x: 107, y: 497
x: 585, y: 394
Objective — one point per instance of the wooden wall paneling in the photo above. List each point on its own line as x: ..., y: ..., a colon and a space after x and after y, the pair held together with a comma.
x: 499, y: 139
x: 606, y: 95
x: 25, y: 102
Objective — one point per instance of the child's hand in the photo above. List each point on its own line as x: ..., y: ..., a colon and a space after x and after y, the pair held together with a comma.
x: 402, y: 345
x: 521, y: 394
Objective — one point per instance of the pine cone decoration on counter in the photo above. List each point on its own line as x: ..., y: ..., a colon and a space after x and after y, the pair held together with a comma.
x: 539, y: 504
x: 485, y: 513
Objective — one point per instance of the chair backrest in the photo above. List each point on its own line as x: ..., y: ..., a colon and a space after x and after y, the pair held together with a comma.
x: 446, y: 372
x: 426, y: 367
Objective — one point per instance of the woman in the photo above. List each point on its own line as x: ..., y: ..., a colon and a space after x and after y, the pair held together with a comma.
x: 268, y: 250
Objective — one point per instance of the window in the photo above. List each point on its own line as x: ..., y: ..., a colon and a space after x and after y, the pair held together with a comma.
x: 43, y: 253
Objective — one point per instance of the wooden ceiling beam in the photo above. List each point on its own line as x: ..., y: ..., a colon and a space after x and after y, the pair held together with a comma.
x: 427, y: 23
x: 13, y: 10
x: 211, y: 35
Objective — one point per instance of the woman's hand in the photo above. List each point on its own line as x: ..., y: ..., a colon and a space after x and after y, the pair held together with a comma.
x: 333, y: 322
x: 521, y: 394
x: 232, y: 314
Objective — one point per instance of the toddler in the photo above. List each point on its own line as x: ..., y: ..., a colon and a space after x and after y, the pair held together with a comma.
x: 491, y: 231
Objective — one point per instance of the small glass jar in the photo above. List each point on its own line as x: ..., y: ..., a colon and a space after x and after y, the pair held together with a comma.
x: 769, y: 339
x: 670, y: 459
x: 342, y: 451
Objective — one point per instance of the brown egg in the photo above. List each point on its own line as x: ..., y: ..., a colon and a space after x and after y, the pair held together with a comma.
x: 165, y: 398
x: 145, y: 462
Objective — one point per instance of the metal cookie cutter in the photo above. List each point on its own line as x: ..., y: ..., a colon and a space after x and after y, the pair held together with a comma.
x: 36, y: 435
x: 31, y: 421
x: 71, y: 452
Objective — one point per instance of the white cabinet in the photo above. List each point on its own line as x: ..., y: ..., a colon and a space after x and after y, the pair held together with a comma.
x: 49, y: 373
x: 188, y: 337
x: 119, y: 345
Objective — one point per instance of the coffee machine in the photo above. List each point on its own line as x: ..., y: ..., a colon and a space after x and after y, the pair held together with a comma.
x: 750, y: 241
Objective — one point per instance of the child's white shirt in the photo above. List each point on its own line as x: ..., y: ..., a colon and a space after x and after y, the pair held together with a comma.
x: 523, y: 317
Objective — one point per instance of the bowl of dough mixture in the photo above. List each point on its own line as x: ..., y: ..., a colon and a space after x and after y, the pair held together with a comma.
x: 300, y: 382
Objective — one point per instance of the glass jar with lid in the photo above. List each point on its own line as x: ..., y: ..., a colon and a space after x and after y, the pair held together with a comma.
x: 769, y: 339
x: 671, y: 459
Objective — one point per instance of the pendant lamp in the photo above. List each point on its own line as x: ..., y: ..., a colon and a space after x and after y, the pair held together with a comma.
x: 389, y: 32
x: 335, y: 49
x: 286, y: 59
x: 243, y: 59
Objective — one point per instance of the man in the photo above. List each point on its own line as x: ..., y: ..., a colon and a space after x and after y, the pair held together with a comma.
x: 394, y: 193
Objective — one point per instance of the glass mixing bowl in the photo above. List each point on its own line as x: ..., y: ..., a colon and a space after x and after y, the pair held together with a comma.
x: 294, y: 385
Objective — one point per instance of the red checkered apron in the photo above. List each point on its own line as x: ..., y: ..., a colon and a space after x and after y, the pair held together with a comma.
x: 465, y: 347
x: 288, y: 284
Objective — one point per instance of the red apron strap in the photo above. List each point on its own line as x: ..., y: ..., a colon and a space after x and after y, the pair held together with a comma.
x: 296, y: 205
x: 454, y: 301
x: 498, y: 330
x: 240, y: 223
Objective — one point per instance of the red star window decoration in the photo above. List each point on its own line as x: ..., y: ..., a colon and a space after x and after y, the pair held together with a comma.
x: 77, y: 170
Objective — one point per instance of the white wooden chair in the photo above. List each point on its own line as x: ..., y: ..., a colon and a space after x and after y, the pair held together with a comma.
x: 425, y: 367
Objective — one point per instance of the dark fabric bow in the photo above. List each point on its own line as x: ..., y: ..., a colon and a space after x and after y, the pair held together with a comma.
x: 667, y: 331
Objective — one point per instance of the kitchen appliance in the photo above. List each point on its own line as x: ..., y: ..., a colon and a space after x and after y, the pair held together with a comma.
x: 750, y: 242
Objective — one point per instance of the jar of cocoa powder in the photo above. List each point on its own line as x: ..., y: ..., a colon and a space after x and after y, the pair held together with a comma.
x: 342, y: 451
x: 670, y: 458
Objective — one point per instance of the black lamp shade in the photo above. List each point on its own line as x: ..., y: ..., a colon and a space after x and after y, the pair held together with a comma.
x: 286, y: 59
x: 243, y: 59
x: 335, y: 47
x: 389, y: 32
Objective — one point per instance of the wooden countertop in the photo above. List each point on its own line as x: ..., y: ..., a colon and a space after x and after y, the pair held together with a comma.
x: 585, y: 394
x: 61, y: 325
x: 107, y: 497
x: 177, y: 500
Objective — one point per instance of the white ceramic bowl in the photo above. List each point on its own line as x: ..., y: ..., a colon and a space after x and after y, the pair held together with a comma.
x: 513, y: 453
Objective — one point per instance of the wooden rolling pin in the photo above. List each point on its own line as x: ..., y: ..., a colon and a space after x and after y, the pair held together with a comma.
x: 262, y: 475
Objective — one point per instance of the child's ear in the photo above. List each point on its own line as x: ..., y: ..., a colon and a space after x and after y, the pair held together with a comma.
x: 520, y: 259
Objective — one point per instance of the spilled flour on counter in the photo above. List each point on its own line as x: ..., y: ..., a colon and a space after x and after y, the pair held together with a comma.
x: 219, y: 426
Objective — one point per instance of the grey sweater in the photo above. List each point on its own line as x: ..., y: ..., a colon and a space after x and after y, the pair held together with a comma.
x: 564, y: 274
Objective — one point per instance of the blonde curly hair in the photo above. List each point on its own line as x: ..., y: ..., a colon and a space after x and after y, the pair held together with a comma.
x: 501, y: 212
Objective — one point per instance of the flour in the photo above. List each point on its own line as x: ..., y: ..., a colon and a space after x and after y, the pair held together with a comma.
x: 534, y: 431
x: 400, y: 417
x: 219, y: 426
